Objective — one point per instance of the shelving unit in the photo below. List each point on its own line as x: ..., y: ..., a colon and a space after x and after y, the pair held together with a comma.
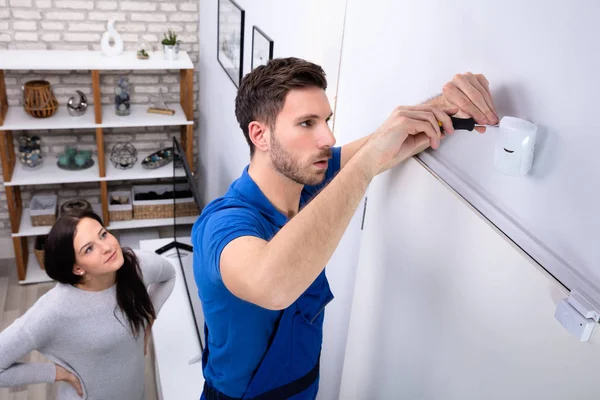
x: 99, y: 118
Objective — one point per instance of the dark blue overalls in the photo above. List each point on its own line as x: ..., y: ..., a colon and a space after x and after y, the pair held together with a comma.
x: 290, y: 367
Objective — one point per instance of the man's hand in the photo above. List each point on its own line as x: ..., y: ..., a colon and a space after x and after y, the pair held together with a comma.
x: 470, y: 93
x: 407, y: 131
x: 66, y: 376
x: 467, y: 95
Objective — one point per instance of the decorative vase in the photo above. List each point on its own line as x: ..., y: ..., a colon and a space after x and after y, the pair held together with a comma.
x: 116, y: 48
x: 122, y: 98
x: 74, y: 206
x: 77, y: 108
x: 30, y: 153
x: 80, y: 160
x: 171, y: 52
x: 38, y: 99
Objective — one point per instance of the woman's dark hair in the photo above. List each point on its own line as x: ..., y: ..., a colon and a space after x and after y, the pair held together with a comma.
x: 59, y: 259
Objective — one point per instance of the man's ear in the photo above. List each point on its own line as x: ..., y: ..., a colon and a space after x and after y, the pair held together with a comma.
x: 259, y: 135
x: 77, y: 270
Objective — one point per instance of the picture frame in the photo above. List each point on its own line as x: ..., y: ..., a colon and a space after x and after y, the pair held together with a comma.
x: 230, y: 39
x: 262, y: 48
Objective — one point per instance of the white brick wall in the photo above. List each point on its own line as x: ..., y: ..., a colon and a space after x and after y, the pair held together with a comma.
x: 78, y: 25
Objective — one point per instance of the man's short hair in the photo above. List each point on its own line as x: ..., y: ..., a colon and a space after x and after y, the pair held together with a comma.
x: 262, y: 93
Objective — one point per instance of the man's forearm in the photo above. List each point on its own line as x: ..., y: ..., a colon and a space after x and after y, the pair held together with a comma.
x: 297, y: 254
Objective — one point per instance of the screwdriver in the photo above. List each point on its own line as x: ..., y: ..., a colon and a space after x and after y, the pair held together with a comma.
x: 467, y: 124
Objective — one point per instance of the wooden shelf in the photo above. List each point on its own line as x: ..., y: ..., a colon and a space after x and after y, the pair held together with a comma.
x: 88, y: 60
x: 49, y: 173
x: 17, y: 119
x: 26, y: 229
x: 35, y: 274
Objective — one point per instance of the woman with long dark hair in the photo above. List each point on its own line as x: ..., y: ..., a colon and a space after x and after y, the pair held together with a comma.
x: 93, y: 325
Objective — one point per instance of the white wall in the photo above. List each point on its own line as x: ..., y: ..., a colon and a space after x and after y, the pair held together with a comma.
x: 311, y: 30
x: 536, y: 56
x: 446, y: 308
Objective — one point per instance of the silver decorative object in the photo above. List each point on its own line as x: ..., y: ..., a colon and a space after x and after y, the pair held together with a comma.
x: 123, y: 155
x: 77, y: 108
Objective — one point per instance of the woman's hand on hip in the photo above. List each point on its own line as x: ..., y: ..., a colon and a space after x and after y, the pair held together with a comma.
x: 65, y: 376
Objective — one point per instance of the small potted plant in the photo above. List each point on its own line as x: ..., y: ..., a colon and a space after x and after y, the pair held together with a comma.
x: 142, y: 54
x: 142, y: 50
x: 171, y: 46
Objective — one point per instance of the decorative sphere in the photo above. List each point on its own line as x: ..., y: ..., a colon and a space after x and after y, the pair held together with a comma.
x: 123, y: 155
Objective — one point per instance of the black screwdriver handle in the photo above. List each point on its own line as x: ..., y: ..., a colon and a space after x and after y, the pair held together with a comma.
x: 467, y: 124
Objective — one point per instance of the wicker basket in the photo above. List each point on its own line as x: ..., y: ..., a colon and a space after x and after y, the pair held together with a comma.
x: 38, y: 99
x: 38, y: 250
x: 120, y: 212
x: 42, y: 209
x: 154, y: 209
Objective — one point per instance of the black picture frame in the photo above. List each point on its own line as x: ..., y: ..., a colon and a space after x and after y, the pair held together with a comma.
x: 230, y: 39
x: 265, y: 46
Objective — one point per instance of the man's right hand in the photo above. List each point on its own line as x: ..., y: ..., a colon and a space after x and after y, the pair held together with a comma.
x: 66, y: 376
x: 405, y: 131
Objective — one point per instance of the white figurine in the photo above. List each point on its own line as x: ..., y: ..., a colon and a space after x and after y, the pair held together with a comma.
x: 117, y: 47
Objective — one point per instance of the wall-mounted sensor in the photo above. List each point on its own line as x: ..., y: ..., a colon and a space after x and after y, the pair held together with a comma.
x: 514, y: 146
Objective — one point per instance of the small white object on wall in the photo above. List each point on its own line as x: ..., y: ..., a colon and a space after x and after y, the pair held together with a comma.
x: 578, y: 314
x: 513, y: 150
x: 117, y: 47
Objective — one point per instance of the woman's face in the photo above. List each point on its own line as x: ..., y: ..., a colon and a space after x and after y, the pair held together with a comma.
x: 97, y: 252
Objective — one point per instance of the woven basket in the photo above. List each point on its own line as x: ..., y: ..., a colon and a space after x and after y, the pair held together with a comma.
x: 38, y: 99
x: 155, y: 209
x: 43, y: 220
x: 120, y: 212
x: 39, y: 254
x: 38, y: 250
x: 39, y: 215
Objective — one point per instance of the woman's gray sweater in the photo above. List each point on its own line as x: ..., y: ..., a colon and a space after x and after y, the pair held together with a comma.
x: 86, y: 333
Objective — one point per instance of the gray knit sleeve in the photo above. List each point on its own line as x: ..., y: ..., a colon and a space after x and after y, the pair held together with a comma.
x: 15, y: 343
x: 158, y: 276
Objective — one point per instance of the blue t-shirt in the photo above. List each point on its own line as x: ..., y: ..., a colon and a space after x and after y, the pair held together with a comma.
x: 239, y: 331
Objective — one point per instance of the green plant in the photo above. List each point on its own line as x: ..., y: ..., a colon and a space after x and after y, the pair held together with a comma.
x: 142, y: 53
x: 170, y: 39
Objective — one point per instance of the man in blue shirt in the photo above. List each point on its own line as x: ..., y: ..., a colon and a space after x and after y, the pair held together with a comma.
x: 260, y: 250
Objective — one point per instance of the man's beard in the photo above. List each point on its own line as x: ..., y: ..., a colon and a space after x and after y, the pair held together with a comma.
x: 288, y: 166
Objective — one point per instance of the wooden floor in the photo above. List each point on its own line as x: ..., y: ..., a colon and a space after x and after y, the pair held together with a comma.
x: 15, y: 299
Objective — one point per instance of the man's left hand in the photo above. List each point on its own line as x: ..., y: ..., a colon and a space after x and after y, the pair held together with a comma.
x: 470, y: 93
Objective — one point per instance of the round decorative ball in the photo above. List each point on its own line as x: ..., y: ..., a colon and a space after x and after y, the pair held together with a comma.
x: 123, y: 155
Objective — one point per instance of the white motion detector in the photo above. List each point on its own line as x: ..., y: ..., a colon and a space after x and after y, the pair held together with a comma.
x: 514, y: 146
